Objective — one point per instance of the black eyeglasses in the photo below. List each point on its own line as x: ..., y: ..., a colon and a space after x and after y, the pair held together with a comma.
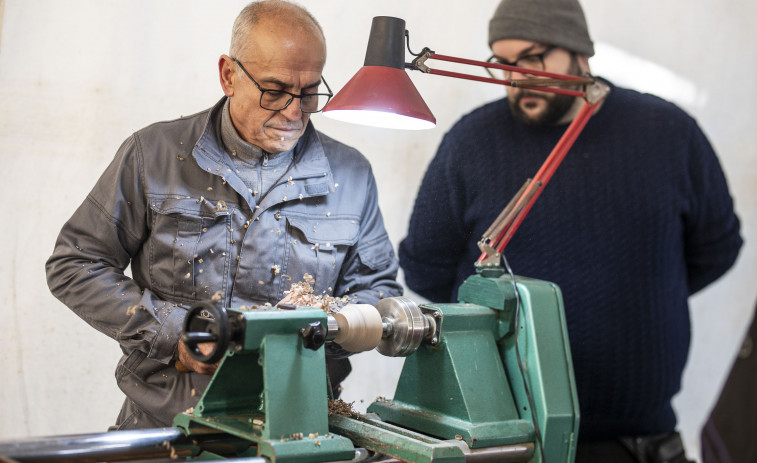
x: 277, y: 100
x: 534, y: 62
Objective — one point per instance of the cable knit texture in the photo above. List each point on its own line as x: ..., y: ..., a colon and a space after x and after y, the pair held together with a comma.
x: 637, y: 217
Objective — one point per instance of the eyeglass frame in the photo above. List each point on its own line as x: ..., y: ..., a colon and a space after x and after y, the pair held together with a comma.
x: 292, y: 96
x: 539, y: 56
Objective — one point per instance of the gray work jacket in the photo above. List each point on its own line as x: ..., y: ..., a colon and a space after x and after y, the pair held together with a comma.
x: 170, y: 206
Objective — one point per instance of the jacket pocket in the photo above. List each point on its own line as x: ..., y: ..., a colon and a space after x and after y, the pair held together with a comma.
x: 376, y: 256
x: 318, y: 246
x: 190, y: 247
x: 129, y: 364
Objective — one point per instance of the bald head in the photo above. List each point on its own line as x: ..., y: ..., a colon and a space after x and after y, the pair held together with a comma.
x: 276, y: 46
x: 271, y: 12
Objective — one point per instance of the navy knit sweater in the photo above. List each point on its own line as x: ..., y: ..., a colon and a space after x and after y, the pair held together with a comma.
x: 637, y: 217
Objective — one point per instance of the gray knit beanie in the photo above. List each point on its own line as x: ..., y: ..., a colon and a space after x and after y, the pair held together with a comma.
x: 551, y: 22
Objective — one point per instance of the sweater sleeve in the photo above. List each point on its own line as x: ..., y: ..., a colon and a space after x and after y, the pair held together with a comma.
x: 712, y: 237
x: 431, y: 251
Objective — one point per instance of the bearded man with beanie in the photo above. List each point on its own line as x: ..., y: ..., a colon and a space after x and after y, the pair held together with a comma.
x: 637, y: 218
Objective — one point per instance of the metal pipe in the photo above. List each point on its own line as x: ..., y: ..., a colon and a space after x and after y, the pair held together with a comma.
x: 114, y: 446
x: 109, y: 446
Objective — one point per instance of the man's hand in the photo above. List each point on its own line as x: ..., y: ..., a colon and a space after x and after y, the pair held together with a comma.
x: 190, y: 364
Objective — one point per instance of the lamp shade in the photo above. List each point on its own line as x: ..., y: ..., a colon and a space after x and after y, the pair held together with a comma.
x: 381, y: 96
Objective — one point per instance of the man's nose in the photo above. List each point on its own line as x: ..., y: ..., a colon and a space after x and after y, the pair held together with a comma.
x: 293, y: 111
x: 514, y: 75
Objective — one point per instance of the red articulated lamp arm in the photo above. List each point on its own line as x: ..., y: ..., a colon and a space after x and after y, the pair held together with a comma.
x: 500, y: 233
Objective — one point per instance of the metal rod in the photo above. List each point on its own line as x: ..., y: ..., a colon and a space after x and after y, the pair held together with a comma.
x: 458, y: 75
x: 109, y: 446
x: 498, y: 222
x: 507, y: 67
x: 115, y: 446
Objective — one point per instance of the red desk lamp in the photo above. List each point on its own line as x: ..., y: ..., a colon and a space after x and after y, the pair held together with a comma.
x: 381, y: 94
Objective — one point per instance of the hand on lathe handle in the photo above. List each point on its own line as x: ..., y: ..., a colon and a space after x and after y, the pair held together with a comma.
x: 186, y: 363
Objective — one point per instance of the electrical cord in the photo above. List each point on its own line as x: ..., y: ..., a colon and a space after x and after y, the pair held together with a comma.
x: 522, y: 369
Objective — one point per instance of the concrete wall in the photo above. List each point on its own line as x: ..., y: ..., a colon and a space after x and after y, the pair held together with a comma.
x: 77, y: 77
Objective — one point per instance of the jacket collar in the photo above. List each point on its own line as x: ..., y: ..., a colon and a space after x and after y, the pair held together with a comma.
x: 309, y: 175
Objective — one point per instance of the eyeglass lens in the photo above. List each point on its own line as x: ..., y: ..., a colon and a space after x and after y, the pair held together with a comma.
x: 276, y: 101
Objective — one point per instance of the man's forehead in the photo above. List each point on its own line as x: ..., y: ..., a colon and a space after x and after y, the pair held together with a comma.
x: 514, y: 47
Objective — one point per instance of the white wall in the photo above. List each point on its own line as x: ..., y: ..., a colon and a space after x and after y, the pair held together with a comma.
x: 77, y: 77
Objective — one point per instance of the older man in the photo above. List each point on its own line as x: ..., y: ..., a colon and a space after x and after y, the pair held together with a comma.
x: 240, y: 200
x: 637, y: 218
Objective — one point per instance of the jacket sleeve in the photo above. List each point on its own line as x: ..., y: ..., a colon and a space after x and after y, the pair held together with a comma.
x: 436, y: 239
x: 369, y: 271
x: 712, y: 230
x: 92, y: 252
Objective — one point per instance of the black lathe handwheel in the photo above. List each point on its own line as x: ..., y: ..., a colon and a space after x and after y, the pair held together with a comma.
x: 206, y: 322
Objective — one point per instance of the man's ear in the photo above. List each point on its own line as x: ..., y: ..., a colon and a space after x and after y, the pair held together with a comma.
x: 226, y: 74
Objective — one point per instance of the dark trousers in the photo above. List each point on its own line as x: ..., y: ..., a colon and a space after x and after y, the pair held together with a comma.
x: 663, y: 448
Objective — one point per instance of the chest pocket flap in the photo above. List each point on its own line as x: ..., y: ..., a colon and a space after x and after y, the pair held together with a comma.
x: 327, y: 232
x: 189, y: 207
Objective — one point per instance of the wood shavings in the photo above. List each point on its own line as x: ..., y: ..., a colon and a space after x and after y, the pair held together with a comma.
x: 340, y: 407
x: 302, y: 294
x: 133, y: 309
